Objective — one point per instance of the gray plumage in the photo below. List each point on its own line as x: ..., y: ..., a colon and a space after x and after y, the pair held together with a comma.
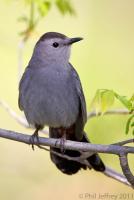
x: 50, y: 91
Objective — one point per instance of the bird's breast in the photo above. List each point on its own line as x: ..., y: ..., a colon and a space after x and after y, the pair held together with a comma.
x: 51, y: 99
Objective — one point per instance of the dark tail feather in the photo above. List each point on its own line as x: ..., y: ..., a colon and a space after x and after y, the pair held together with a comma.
x: 71, y: 167
x: 94, y: 160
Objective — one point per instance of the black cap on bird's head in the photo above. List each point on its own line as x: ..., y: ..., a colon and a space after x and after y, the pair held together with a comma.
x: 55, y: 35
x: 50, y: 35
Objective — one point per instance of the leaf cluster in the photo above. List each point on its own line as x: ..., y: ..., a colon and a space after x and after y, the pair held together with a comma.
x: 105, y: 98
x: 38, y: 10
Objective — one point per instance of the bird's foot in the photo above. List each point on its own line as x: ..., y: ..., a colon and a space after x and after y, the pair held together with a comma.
x: 62, y: 143
x: 34, y: 138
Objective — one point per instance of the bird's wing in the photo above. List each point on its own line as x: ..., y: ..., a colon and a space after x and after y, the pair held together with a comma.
x: 82, y: 118
x: 23, y: 87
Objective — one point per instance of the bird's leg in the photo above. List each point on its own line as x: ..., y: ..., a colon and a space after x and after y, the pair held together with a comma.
x: 62, y: 141
x: 33, y: 137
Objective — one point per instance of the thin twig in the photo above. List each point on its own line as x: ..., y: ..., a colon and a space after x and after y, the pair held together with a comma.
x: 115, y: 175
x: 108, y: 172
x: 109, y: 112
x: 121, y: 143
x: 79, y: 159
x: 125, y: 168
x: 20, y: 119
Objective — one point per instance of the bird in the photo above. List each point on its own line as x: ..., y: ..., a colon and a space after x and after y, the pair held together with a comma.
x: 51, y: 94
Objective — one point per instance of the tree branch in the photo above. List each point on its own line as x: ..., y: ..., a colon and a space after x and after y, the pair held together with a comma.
x: 125, y: 168
x: 109, y: 112
x: 19, y: 119
x: 116, y: 176
x: 22, y: 121
x: 71, y: 145
x: 86, y: 149
x: 121, y: 143
x: 108, y: 171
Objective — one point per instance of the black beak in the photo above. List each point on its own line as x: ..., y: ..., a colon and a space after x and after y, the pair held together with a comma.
x: 73, y: 40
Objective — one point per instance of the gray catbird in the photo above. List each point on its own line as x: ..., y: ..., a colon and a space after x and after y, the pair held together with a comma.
x: 50, y: 93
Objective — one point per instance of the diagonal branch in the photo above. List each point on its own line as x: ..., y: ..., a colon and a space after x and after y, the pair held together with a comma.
x: 108, y: 171
x: 115, y: 175
x: 125, y: 168
x: 22, y: 121
x: 19, y: 119
x: 121, y: 143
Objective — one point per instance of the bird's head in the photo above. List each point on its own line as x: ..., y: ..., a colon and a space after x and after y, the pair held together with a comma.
x: 55, y: 46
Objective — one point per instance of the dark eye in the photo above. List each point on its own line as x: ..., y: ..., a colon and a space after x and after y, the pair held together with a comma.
x: 55, y: 44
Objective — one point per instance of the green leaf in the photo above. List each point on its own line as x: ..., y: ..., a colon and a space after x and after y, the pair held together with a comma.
x: 103, y: 100
x: 132, y: 98
x: 96, y: 102
x: 69, y: 8
x: 132, y: 124
x: 132, y: 101
x: 107, y: 100
x: 128, y: 125
x: 43, y: 7
x: 123, y: 99
x: 65, y: 6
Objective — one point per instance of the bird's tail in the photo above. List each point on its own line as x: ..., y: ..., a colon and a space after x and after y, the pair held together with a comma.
x: 69, y: 166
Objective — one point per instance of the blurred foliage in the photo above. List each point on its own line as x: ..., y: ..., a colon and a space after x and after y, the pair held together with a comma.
x: 105, y: 98
x: 65, y: 6
x: 102, y: 100
x: 38, y: 10
x: 130, y: 124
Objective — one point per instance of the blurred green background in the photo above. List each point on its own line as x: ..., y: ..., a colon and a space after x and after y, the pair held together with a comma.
x: 104, y: 59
